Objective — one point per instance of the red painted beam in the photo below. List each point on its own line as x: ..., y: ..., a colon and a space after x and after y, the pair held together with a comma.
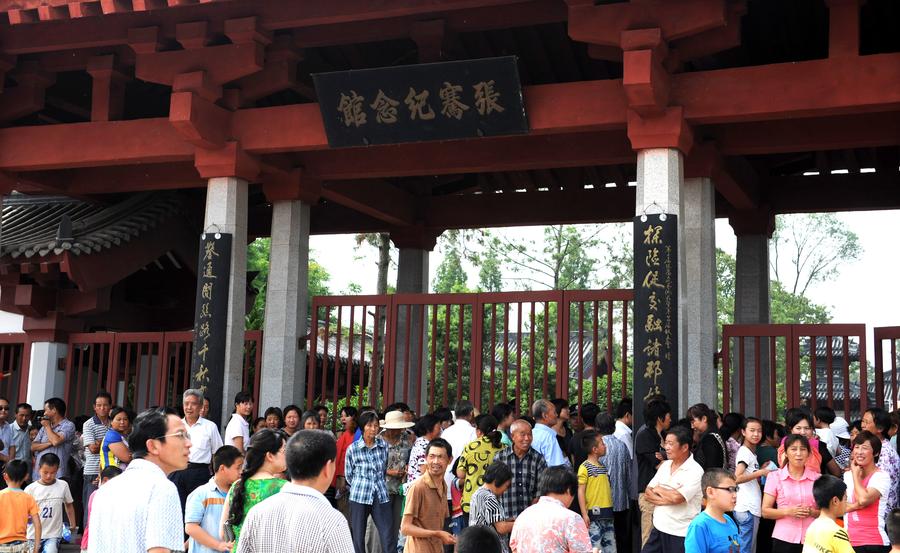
x: 89, y: 32
x: 378, y: 199
x: 471, y: 156
x: 808, y: 89
x: 827, y: 193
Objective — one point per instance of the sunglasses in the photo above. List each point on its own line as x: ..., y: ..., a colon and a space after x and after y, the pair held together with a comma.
x: 4, y: 407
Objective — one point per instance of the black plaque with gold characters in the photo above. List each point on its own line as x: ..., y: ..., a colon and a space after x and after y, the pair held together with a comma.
x: 655, y: 308
x: 211, y: 316
x: 431, y: 101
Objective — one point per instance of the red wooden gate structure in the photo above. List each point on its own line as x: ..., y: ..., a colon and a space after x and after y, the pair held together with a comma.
x: 886, y: 392
x: 15, y: 350
x: 141, y: 369
x: 799, y: 364
x: 490, y: 347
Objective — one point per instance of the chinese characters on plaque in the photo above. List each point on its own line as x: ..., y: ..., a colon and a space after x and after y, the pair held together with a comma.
x: 211, y: 316
x: 655, y: 307
x: 434, y: 101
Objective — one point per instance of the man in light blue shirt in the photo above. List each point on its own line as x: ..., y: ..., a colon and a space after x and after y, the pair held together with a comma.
x: 545, y: 442
x: 203, y: 508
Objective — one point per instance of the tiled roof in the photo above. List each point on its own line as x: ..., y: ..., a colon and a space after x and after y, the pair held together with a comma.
x: 38, y: 226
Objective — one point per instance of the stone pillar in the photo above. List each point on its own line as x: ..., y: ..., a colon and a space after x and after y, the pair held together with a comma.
x: 660, y: 179
x: 45, y: 380
x: 699, y: 301
x: 283, y: 379
x: 412, y: 278
x: 752, y: 303
x: 226, y: 210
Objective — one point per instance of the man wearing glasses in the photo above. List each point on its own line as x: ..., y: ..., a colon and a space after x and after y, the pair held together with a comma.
x: 675, y: 492
x: 139, y: 511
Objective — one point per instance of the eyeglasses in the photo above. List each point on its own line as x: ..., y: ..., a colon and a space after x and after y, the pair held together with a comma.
x: 4, y: 407
x: 732, y: 489
x: 181, y: 434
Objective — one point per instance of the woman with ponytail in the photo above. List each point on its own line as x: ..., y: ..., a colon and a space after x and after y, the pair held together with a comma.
x: 477, y: 456
x: 264, y: 459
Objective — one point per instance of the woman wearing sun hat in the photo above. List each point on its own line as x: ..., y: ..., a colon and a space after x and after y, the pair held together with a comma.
x: 394, y: 425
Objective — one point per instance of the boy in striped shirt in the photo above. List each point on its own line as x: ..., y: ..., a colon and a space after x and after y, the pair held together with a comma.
x: 203, y: 508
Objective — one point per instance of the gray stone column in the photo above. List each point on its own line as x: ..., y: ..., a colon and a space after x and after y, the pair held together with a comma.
x: 699, y: 306
x: 412, y: 278
x: 752, y: 301
x: 283, y: 379
x: 45, y: 380
x: 660, y: 180
x: 226, y: 209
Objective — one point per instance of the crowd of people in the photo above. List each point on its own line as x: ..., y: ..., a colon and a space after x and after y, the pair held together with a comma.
x: 556, y: 479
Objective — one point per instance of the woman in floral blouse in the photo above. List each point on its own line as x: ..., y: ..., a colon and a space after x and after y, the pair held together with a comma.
x: 427, y: 429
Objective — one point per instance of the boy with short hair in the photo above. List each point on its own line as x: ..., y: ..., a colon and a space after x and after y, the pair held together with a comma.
x: 595, y: 494
x: 824, y: 535
x: 822, y: 418
x: 203, y: 508
x: 52, y: 496
x: 17, y: 507
x: 712, y: 531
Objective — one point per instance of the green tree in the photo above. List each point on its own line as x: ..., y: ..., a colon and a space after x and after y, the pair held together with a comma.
x: 810, y: 248
x: 490, y: 275
x: 450, y: 275
x: 258, y: 262
x: 564, y: 260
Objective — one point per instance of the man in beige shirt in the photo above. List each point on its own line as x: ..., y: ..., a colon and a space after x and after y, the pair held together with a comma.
x: 426, y: 504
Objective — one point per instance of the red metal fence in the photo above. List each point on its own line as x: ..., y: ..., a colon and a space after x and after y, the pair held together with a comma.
x: 492, y: 347
x: 140, y: 369
x: 15, y: 350
x: 766, y: 368
x: 886, y: 391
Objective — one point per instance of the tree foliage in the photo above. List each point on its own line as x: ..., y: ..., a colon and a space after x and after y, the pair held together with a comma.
x: 809, y: 249
x: 450, y: 277
x: 258, y: 262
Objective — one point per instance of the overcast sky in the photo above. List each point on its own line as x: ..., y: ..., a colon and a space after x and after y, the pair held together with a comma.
x: 865, y: 291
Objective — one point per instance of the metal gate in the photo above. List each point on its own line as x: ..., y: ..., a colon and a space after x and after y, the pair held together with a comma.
x: 434, y: 349
x: 141, y: 369
x: 809, y: 365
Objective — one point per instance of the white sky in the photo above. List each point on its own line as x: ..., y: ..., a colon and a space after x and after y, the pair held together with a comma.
x: 865, y: 291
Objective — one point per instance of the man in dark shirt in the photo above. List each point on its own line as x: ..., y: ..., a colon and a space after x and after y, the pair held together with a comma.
x: 649, y: 454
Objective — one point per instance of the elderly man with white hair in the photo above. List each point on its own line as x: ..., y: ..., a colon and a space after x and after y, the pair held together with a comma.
x: 545, y: 442
x: 205, y: 440
x: 526, y: 465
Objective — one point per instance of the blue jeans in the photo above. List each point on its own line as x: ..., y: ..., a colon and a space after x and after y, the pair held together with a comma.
x: 747, y: 524
x: 603, y: 534
x: 382, y: 516
x: 49, y: 545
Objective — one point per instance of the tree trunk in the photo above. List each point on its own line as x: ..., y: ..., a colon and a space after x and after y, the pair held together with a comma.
x: 384, y: 261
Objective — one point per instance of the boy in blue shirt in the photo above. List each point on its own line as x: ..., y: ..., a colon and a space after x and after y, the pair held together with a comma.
x: 203, y: 508
x: 713, y: 531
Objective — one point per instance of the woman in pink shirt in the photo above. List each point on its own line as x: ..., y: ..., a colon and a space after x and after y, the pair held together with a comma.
x: 866, y: 486
x: 791, y: 489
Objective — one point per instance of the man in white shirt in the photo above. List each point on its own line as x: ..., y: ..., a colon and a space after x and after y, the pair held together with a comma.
x: 237, y: 433
x: 138, y: 512
x: 624, y: 420
x: 544, y: 436
x: 299, y: 518
x: 676, y: 493
x: 460, y: 434
x: 205, y: 440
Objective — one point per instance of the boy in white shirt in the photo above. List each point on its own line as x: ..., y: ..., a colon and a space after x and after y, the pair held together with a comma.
x: 51, y: 496
x: 747, y: 510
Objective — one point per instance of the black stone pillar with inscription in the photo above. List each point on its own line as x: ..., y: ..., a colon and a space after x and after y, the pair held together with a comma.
x: 655, y: 309
x: 211, y: 316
